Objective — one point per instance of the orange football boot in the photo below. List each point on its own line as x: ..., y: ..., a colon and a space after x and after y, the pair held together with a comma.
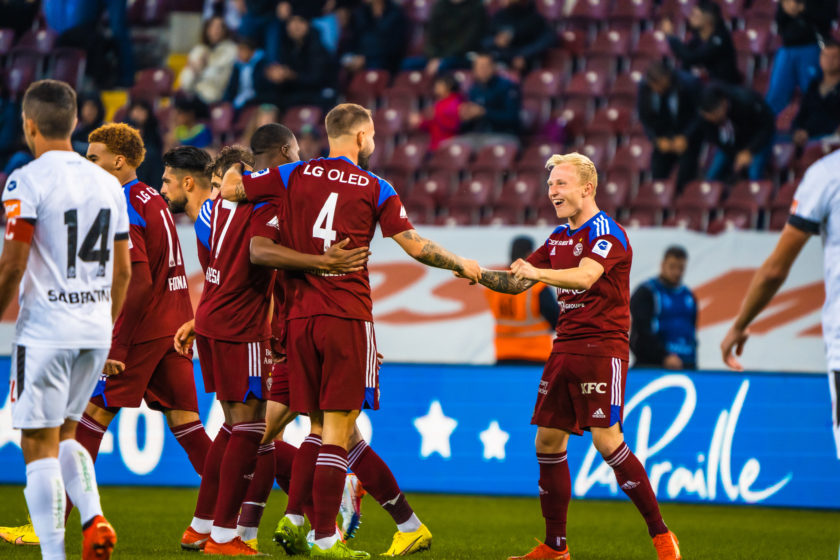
x: 236, y: 547
x: 544, y: 552
x: 667, y: 546
x: 98, y: 539
x: 193, y: 540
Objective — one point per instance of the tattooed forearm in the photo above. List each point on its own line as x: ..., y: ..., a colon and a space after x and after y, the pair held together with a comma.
x: 239, y: 194
x: 503, y: 281
x: 433, y: 254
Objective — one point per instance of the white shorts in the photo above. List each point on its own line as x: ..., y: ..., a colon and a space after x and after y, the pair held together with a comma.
x: 49, y: 385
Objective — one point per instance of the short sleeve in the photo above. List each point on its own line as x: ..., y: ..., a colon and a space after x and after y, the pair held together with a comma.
x: 136, y: 235
x: 20, y: 198
x: 540, y: 258
x: 268, y: 184
x: 607, y: 251
x: 122, y: 221
x: 811, y: 202
x: 202, y: 224
x: 391, y: 213
x: 265, y: 223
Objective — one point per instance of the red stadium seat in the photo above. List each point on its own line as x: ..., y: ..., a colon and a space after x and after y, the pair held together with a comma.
x: 748, y: 198
x: 458, y: 217
x: 527, y: 189
x: 418, y: 11
x: 611, y: 42
x: 597, y: 149
x: 761, y: 80
x: 533, y: 114
x: 783, y: 156
x: 697, y: 203
x: 635, y: 156
x: 534, y: 156
x: 367, y: 86
x: 780, y: 205
x: 625, y: 87
x: 573, y: 41
x: 644, y: 217
x: 408, y: 156
x: 464, y: 79
x: 498, y: 158
x: 753, y: 41
x: 544, y: 215
x: 438, y: 186
x: 296, y: 117
x: 416, y: 41
x: 153, y: 83
x: 591, y: 11
x: 587, y: 84
x: 631, y: 12
x: 606, y: 65
x: 813, y: 152
x: 686, y: 220
x: 22, y: 73
x: 121, y: 114
x: 68, y: 65
x: 504, y: 216
x: 613, y: 194
x: 551, y: 10
x: 725, y: 224
x: 419, y: 206
x: 767, y: 8
x: 560, y: 60
x: 542, y: 83
x: 7, y: 39
x: 610, y: 121
x: 472, y: 193
x: 389, y: 122
x: 732, y: 9
x: 453, y: 156
x: 221, y: 120
x: 415, y: 83
x: 653, y: 44
x: 403, y: 102
x: 574, y: 115
x: 39, y: 40
x: 654, y: 197
x: 677, y: 9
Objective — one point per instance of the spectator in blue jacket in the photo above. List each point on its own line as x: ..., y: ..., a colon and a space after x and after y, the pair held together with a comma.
x: 492, y: 106
x: 377, y: 36
x: 248, y: 83
x: 663, y: 331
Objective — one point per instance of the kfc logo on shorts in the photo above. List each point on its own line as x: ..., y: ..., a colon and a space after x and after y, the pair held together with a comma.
x: 602, y: 248
x: 578, y: 249
x: 589, y: 388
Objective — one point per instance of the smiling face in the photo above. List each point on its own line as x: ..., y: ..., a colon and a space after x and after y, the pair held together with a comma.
x: 566, y: 192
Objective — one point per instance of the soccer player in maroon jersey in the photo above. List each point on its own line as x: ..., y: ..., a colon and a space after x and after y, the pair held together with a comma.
x: 582, y: 387
x: 158, y: 302
x: 330, y: 341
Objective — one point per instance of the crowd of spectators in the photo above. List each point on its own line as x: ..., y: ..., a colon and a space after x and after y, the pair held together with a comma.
x: 479, y: 73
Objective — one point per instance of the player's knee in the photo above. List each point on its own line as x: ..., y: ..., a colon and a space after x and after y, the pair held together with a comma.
x: 180, y: 417
x: 550, y: 441
x: 102, y: 416
x: 607, y: 440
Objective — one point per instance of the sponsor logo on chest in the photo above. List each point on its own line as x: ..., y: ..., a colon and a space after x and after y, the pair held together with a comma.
x: 336, y: 175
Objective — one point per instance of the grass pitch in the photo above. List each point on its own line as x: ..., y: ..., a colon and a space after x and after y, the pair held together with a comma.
x: 149, y: 523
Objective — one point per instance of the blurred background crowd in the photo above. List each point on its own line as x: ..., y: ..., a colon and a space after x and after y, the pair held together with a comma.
x: 698, y: 114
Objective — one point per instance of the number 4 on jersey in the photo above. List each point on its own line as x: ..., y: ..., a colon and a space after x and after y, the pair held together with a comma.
x: 97, y: 234
x: 324, y: 223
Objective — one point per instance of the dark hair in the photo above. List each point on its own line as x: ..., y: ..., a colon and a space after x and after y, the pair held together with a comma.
x: 205, y: 40
x: 192, y: 104
x: 230, y: 155
x: 188, y: 158
x: 831, y: 44
x: 249, y: 42
x: 711, y: 98
x: 521, y: 248
x: 272, y: 136
x: 658, y: 70
x: 449, y: 81
x: 711, y: 8
x: 343, y: 119
x: 96, y: 99
x: 52, y: 105
x: 676, y: 252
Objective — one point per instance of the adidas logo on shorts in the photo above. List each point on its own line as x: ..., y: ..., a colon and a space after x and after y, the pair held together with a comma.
x: 598, y: 414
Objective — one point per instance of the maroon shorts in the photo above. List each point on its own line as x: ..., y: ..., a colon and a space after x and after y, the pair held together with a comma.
x: 278, y: 383
x: 234, y: 370
x: 332, y: 364
x: 578, y: 392
x: 154, y: 372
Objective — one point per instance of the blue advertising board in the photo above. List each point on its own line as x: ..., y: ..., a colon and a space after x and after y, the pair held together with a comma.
x: 713, y: 437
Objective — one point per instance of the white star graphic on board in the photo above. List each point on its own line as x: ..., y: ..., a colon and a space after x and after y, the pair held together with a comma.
x: 435, y: 428
x: 494, y: 439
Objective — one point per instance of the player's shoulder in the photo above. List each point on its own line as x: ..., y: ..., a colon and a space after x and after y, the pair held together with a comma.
x: 823, y: 172
x: 602, y: 225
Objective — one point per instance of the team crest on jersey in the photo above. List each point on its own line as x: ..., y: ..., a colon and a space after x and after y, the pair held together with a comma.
x: 11, y: 186
x: 403, y: 213
x: 260, y: 173
x: 578, y: 249
x: 602, y: 248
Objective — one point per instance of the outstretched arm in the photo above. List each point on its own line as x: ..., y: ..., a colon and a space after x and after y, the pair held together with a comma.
x: 504, y: 281
x: 232, y: 186
x: 579, y: 278
x: 430, y: 253
x: 336, y: 260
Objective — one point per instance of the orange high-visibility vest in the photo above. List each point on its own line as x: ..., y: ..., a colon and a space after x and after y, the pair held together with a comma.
x: 521, y: 332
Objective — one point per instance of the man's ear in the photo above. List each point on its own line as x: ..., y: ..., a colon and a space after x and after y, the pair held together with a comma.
x: 119, y: 162
x: 188, y: 183
x: 30, y: 126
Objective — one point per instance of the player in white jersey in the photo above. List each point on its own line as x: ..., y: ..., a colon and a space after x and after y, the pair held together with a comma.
x: 66, y: 249
x: 815, y: 211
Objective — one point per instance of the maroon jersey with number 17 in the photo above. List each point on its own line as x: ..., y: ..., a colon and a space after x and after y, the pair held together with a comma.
x: 596, y: 321
x: 327, y: 200
x: 235, y: 302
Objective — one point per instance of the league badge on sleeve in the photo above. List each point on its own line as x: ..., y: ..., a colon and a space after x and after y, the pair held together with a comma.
x: 602, y: 248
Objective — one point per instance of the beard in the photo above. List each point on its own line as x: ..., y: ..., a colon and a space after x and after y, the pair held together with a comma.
x: 364, y: 161
x: 176, y: 206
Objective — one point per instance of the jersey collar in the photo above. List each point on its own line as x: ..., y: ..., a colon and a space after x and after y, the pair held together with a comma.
x: 131, y: 183
x: 589, y: 221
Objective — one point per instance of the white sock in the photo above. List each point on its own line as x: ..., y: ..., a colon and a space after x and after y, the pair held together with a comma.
x: 79, y: 479
x: 327, y: 542
x: 44, y: 494
x: 246, y: 533
x: 202, y: 526
x: 409, y: 526
x: 222, y: 534
x: 297, y: 520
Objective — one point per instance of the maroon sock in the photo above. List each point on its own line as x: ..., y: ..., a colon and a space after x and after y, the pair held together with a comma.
x: 209, y: 489
x: 89, y: 434
x: 378, y: 480
x: 195, y: 442
x: 238, y: 463
x: 634, y: 481
x: 303, y: 472
x: 259, y: 488
x: 284, y: 456
x: 327, y: 488
x: 555, y: 494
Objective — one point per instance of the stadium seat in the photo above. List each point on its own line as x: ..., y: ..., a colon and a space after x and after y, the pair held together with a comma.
x: 780, y: 205
x: 761, y: 8
x: 121, y: 114
x: 589, y: 84
x: 753, y: 41
x: 631, y: 13
x: 419, y: 207
x: 573, y: 41
x: 527, y: 189
x: 698, y: 202
x: 413, y: 83
x: 407, y: 156
x: 677, y: 9
x: 533, y: 114
x: 611, y: 42
x: 403, y: 102
x: 761, y: 80
x: 574, y: 115
x: 625, y: 87
x: 643, y: 217
x: 724, y: 224
x: 732, y: 9
x: 552, y: 10
x: 748, y: 199
x: 813, y: 152
x: 246, y: 114
x: 686, y: 220
x: 416, y: 40
x: 474, y: 193
x: 153, y: 83
x: 558, y: 59
x: 597, y: 148
x: 543, y: 214
x: 18, y: 78
x: 39, y: 40
x: 367, y: 86
x: 438, y: 186
x: 221, y: 120
x: 534, y: 156
x: 784, y: 120
x: 654, y: 198
x: 464, y: 79
x: 652, y: 44
x: 504, y: 216
x: 542, y: 83
x: 591, y: 12
x: 7, y: 39
x: 458, y: 217
x: 389, y: 122
x: 610, y: 121
x: 612, y: 195
x: 634, y: 156
x: 453, y: 156
x: 68, y: 65
x: 296, y: 117
x: 497, y: 158
x: 418, y: 11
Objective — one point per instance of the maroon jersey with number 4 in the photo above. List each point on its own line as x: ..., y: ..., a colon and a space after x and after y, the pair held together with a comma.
x: 236, y: 299
x: 153, y: 239
x: 327, y: 200
x: 596, y: 321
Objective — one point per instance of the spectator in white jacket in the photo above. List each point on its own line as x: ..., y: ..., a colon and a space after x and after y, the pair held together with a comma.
x: 210, y: 63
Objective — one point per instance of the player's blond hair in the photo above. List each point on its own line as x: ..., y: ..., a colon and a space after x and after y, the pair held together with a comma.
x: 121, y: 140
x: 585, y: 168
